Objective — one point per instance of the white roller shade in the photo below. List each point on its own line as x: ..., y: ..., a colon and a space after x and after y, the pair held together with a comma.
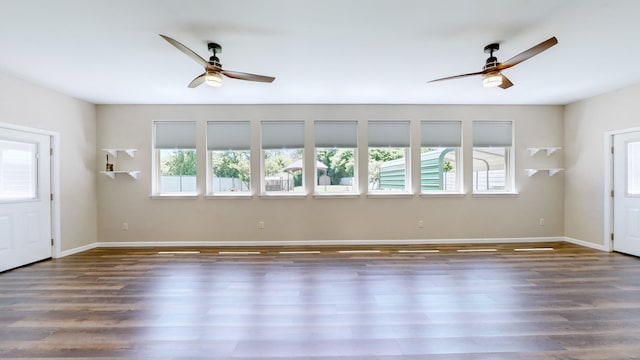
x: 282, y: 134
x: 441, y: 133
x: 336, y: 134
x: 492, y: 133
x: 228, y: 135
x: 389, y: 133
x: 175, y: 135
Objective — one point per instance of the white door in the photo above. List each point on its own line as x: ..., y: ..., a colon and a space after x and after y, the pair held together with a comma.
x: 25, y: 198
x: 626, y: 187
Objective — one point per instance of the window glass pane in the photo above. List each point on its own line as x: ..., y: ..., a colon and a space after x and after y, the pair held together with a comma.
x: 175, y: 157
x: 489, y: 169
x: 633, y: 168
x: 439, y: 169
x: 231, y: 171
x: 18, y: 170
x: 229, y: 144
x: 388, y: 169
x: 177, y: 171
x: 284, y: 170
x: 335, y: 170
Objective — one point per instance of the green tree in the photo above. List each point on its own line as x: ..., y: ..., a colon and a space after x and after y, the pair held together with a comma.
x: 232, y: 164
x: 341, y: 165
x: 275, y: 163
x: 180, y: 162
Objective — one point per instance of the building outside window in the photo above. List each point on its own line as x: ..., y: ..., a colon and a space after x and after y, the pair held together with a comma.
x: 174, y: 158
x: 229, y: 157
x: 440, y: 160
x: 389, y: 145
x: 283, y: 157
x: 336, y: 153
x: 492, y: 156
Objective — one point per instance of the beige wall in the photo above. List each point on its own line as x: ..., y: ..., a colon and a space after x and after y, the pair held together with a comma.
x: 468, y: 217
x: 25, y: 104
x: 586, y: 123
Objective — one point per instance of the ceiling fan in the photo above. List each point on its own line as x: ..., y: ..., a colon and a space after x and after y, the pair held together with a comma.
x: 491, y: 71
x: 213, y: 69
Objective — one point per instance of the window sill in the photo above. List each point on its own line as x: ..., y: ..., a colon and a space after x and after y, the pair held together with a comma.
x: 283, y: 196
x: 174, y: 196
x: 229, y: 196
x: 389, y: 195
x: 442, y: 194
x: 495, y: 194
x: 336, y: 196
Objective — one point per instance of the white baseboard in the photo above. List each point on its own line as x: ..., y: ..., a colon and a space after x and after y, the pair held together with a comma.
x: 587, y: 244
x: 138, y: 244
x: 327, y: 242
x: 76, y: 250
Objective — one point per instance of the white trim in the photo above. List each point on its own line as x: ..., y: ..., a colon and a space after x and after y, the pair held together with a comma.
x: 606, y: 189
x: 331, y: 242
x: 77, y: 250
x: 54, y: 179
x: 608, y: 185
x: 587, y: 244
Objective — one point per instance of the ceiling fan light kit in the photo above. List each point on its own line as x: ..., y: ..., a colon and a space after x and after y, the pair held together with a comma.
x: 492, y: 79
x: 213, y: 79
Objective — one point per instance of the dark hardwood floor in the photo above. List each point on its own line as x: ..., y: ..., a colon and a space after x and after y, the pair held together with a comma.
x: 566, y: 303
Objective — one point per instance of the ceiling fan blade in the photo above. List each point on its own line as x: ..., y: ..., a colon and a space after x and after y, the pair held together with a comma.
x: 527, y: 54
x: 247, y: 76
x: 186, y: 50
x: 197, y: 81
x: 457, y: 76
x: 506, y: 83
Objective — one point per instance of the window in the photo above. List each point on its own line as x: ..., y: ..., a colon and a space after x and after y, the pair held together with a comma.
x: 175, y: 158
x: 229, y: 157
x: 633, y: 168
x: 440, y: 165
x: 389, y: 156
x: 18, y: 170
x: 492, y: 149
x: 336, y: 145
x: 283, y: 157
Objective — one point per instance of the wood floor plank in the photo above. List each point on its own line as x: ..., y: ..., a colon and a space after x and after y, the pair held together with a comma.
x: 136, y: 303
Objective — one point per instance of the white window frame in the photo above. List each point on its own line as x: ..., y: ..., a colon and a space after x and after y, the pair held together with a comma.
x: 390, y: 134
x: 182, y: 139
x: 339, y: 135
x: 490, y: 134
x: 443, y: 134
x: 281, y: 135
x: 231, y: 138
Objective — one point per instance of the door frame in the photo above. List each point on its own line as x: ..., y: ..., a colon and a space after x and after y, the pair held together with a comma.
x: 608, y: 184
x: 54, y: 179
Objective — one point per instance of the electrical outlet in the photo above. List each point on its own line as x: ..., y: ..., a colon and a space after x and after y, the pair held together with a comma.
x: 260, y: 224
x: 420, y: 223
x: 125, y: 226
x: 541, y: 221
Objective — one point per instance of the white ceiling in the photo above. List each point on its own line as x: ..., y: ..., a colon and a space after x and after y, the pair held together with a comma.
x: 321, y: 52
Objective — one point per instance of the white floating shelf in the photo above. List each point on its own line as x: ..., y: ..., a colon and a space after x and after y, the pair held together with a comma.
x: 552, y: 171
x: 548, y: 149
x: 114, y: 152
x: 112, y: 174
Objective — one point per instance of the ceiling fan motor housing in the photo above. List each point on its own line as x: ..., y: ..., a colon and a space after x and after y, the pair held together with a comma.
x: 492, y: 61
